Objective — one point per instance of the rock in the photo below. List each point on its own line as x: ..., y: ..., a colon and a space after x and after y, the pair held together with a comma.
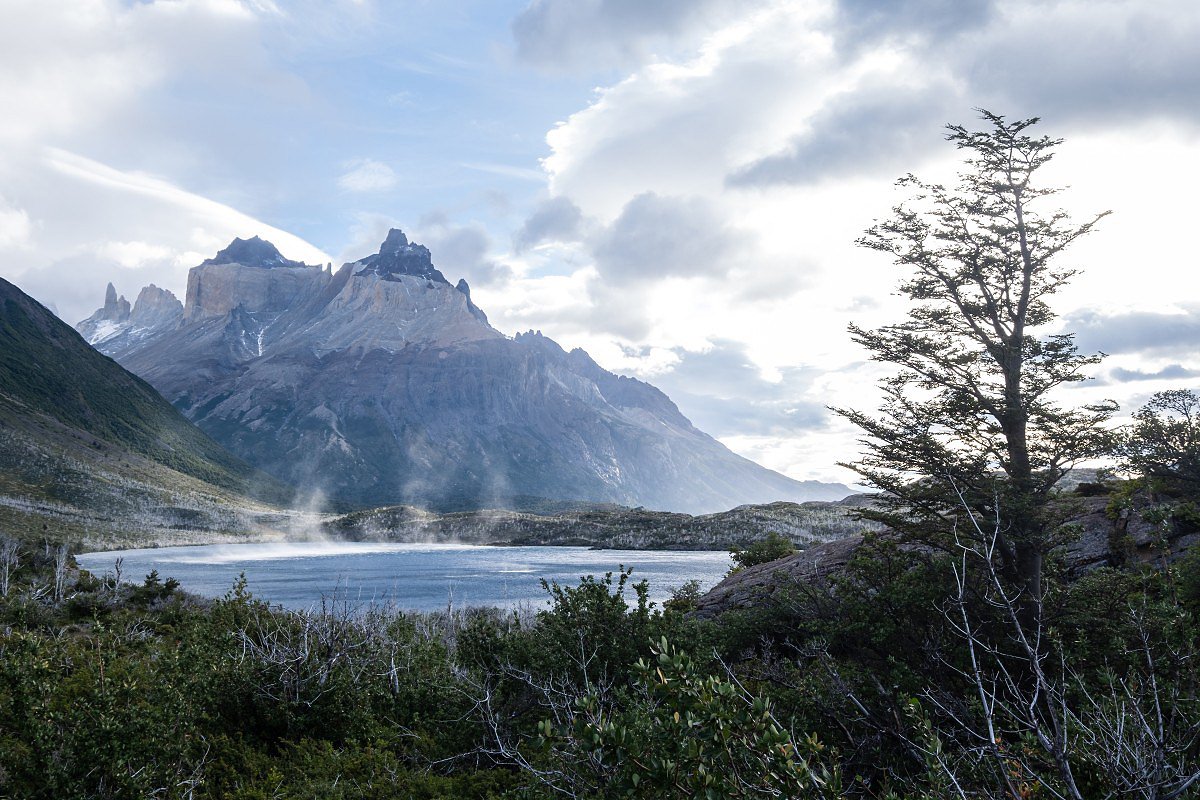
x: 215, y: 289
x: 397, y: 256
x: 110, y: 320
x: 156, y: 308
x: 475, y: 310
x: 1101, y: 541
x: 252, y: 252
x: 757, y: 586
x: 115, y: 308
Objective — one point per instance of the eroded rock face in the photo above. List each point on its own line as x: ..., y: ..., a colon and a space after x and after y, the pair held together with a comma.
x: 156, y: 308
x: 758, y: 586
x: 216, y: 289
x: 108, y: 320
x: 383, y: 383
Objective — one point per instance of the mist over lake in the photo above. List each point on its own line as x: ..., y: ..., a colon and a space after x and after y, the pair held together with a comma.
x: 417, y: 577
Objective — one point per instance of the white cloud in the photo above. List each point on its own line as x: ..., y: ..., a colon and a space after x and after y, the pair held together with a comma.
x: 703, y: 202
x: 15, y: 228
x: 789, y: 123
x: 95, y: 221
x: 97, y: 77
x: 368, y: 176
x: 132, y: 255
x: 655, y: 237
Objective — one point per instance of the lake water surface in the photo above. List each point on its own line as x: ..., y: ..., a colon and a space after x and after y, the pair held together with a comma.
x: 421, y: 577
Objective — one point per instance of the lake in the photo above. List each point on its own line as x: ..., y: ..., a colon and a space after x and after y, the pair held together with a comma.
x: 419, y: 577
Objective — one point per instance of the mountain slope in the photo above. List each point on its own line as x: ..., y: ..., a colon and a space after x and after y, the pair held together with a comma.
x: 88, y: 445
x: 384, y: 384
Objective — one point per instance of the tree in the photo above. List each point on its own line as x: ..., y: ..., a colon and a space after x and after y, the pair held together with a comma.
x: 772, y: 547
x: 1164, y: 443
x: 10, y: 558
x: 968, y: 424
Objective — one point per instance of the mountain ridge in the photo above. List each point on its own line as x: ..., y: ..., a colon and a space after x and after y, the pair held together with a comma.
x: 383, y: 383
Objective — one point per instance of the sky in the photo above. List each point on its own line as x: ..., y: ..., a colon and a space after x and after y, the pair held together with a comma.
x: 675, y: 186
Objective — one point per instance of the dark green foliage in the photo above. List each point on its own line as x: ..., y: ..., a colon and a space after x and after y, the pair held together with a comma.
x: 1164, y: 442
x: 684, y: 598
x: 690, y: 733
x: 771, y: 547
x: 131, y: 691
x: 591, y: 633
x: 604, y: 527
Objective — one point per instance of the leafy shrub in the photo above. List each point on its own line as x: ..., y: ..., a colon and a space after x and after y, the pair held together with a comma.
x: 772, y: 547
x: 691, y: 734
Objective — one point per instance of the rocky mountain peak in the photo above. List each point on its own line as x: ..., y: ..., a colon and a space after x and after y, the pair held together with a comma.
x: 384, y: 383
x: 153, y: 301
x: 398, y: 256
x: 395, y: 242
x: 475, y: 310
x: 252, y: 252
x: 118, y: 324
x: 115, y: 308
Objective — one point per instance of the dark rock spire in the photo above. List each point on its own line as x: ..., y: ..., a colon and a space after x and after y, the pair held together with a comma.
x: 398, y: 256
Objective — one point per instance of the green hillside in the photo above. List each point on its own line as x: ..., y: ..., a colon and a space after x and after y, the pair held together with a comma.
x: 89, y: 446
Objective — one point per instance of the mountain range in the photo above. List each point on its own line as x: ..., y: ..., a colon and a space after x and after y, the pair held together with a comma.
x: 383, y: 383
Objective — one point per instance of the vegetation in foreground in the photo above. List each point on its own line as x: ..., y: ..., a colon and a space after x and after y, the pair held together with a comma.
x: 853, y: 689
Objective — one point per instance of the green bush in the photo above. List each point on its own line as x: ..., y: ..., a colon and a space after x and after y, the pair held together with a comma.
x: 772, y: 547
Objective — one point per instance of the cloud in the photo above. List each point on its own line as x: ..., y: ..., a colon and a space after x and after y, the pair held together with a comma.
x: 98, y: 99
x: 883, y: 129
x: 67, y: 65
x: 1136, y: 332
x: 509, y: 171
x: 817, y: 107
x: 1169, y: 372
x: 366, y: 175
x: 658, y: 237
x: 724, y: 392
x: 132, y: 255
x: 1102, y: 63
x: 677, y: 128
x: 461, y: 250
x: 863, y: 22
x: 367, y: 233
x: 598, y: 34
x: 95, y: 223
x: 16, y: 231
x: 554, y: 220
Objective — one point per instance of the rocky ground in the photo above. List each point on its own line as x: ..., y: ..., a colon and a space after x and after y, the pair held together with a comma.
x: 1103, y: 538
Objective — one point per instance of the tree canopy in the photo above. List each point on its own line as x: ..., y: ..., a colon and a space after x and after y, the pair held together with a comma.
x: 969, y: 421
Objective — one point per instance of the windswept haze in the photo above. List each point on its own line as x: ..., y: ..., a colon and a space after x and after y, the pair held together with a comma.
x: 674, y: 186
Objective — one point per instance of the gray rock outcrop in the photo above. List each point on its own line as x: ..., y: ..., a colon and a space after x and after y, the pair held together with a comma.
x: 1100, y: 540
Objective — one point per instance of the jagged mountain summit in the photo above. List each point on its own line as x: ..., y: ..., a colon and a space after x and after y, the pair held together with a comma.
x: 383, y: 383
x: 120, y: 326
